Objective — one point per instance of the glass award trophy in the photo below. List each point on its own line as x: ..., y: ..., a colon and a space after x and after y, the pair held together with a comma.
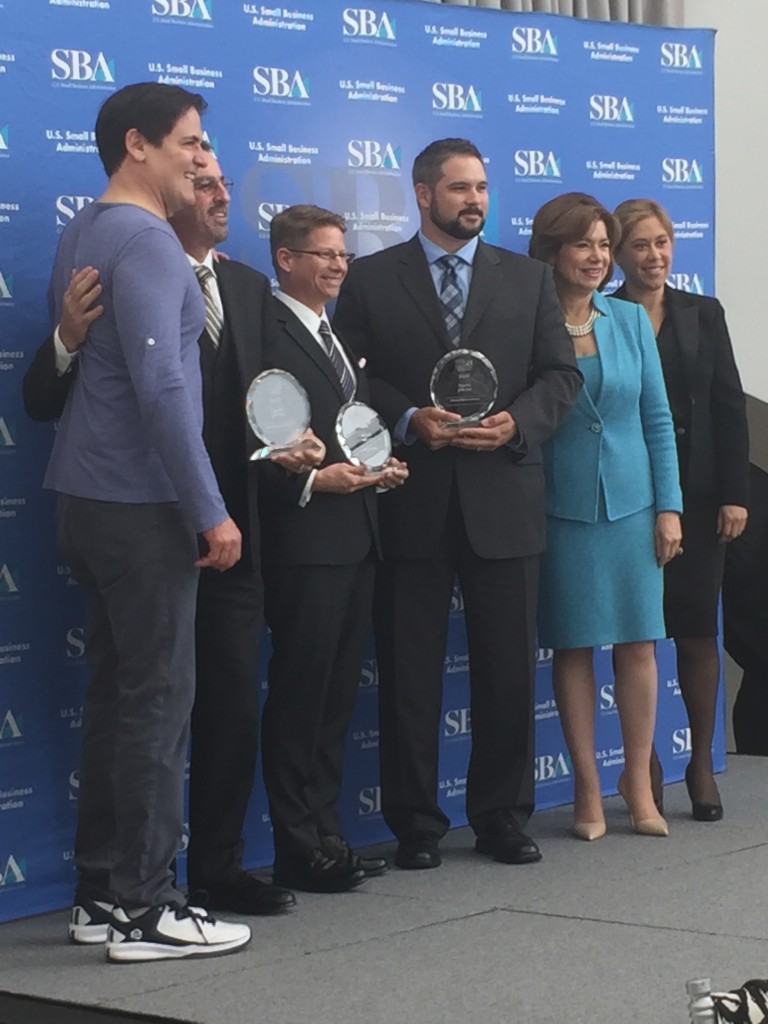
x: 464, y: 382
x: 278, y: 411
x: 363, y: 436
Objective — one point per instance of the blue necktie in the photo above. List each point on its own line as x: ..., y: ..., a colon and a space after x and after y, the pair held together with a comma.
x: 451, y: 299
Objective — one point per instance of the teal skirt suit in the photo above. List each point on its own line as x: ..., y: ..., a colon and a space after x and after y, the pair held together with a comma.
x: 610, y: 468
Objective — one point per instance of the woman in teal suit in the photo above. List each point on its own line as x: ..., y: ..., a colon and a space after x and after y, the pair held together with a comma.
x: 613, y: 511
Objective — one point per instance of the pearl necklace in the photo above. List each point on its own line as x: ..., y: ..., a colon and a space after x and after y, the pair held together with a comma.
x: 580, y: 330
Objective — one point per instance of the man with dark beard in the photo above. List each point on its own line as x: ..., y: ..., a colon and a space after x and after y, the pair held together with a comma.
x: 473, y: 507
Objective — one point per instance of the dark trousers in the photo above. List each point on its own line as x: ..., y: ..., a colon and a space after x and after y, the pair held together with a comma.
x: 319, y: 616
x: 411, y: 612
x: 137, y: 564
x: 225, y: 720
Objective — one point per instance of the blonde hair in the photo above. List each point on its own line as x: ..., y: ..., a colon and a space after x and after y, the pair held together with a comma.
x: 632, y: 211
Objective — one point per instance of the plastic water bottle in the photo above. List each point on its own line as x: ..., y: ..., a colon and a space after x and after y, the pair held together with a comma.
x: 701, y: 1008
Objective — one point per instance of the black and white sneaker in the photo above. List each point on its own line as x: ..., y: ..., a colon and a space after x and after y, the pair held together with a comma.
x: 89, y: 920
x: 172, y: 933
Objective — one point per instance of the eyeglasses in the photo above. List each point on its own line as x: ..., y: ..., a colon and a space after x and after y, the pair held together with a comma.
x: 209, y: 185
x: 327, y: 255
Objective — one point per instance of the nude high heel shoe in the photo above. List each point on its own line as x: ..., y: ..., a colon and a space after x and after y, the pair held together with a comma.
x: 589, y: 830
x: 655, y: 826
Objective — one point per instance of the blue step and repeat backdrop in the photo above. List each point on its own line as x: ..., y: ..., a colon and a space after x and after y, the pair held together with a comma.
x: 324, y: 103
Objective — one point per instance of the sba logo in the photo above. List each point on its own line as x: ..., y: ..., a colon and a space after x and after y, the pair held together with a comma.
x: 6, y: 286
x: 13, y: 872
x: 680, y: 56
x: 281, y: 83
x: 201, y: 10
x: 611, y: 109
x: 74, y: 785
x: 535, y: 163
x: 607, y: 697
x: 8, y: 582
x: 68, y: 206
x: 359, y: 22
x: 369, y: 801
x: 687, y: 283
x: 6, y: 441
x: 679, y: 171
x: 369, y: 675
x: 547, y: 768
x: 533, y: 41
x: 81, y: 66
x: 75, y: 640
x: 681, y: 741
x: 458, y: 722
x: 369, y: 153
x: 10, y: 727
x: 267, y: 211
x: 456, y: 98
x: 4, y: 138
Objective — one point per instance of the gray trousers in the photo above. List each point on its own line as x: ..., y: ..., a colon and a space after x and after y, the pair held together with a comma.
x: 137, y: 565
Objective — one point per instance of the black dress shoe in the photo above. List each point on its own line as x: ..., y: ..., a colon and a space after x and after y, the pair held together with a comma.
x: 242, y: 893
x: 418, y: 850
x: 506, y: 842
x: 338, y: 848
x: 702, y: 811
x: 315, y: 871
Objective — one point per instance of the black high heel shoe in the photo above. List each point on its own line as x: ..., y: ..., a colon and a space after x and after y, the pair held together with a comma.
x: 702, y: 811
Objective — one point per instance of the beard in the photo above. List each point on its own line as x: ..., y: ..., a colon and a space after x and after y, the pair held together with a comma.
x: 454, y: 228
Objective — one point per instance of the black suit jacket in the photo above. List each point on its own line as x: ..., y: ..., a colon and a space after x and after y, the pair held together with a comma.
x: 718, y: 441
x: 246, y: 300
x: 389, y: 312
x: 331, y: 529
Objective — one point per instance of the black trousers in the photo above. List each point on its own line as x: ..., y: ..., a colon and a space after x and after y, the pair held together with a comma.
x: 319, y: 616
x: 137, y: 565
x: 225, y: 720
x: 411, y: 624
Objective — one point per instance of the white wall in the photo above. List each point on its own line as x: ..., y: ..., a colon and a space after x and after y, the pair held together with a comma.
x: 741, y: 91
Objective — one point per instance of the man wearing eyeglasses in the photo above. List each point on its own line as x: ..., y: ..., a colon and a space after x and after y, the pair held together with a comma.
x: 320, y: 544
x: 225, y: 717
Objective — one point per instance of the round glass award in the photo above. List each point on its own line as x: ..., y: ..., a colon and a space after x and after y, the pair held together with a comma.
x: 363, y: 436
x: 278, y: 411
x: 464, y: 382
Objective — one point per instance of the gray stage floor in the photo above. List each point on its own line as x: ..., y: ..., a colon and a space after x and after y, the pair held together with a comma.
x: 598, y: 933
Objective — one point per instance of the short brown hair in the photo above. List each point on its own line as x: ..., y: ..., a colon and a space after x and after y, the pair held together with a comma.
x: 568, y: 218
x: 291, y: 228
x: 632, y: 211
x: 428, y: 165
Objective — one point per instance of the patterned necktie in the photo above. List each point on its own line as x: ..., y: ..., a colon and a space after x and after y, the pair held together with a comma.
x: 214, y: 323
x: 451, y: 299
x: 345, y: 377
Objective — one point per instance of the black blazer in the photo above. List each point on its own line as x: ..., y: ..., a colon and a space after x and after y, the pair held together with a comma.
x: 246, y: 300
x: 331, y: 529
x: 389, y: 312
x: 717, y: 466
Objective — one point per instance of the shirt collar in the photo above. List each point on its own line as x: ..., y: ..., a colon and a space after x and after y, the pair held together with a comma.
x: 207, y: 261
x: 435, y: 252
x: 308, y: 316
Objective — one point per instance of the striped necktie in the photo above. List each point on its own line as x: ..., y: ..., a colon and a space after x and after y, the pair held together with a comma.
x: 332, y: 351
x: 451, y: 299
x: 214, y: 323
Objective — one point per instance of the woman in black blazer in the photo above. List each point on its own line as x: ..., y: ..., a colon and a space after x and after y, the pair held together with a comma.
x: 709, y: 413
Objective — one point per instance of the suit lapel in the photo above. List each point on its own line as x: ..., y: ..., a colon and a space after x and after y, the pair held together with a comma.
x: 242, y: 334
x: 306, y: 342
x: 685, y: 320
x: 416, y: 279
x: 487, y: 277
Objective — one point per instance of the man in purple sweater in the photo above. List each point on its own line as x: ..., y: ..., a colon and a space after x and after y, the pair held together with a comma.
x: 136, y: 490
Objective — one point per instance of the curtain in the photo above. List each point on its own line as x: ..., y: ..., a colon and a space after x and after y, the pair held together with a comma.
x: 649, y: 12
